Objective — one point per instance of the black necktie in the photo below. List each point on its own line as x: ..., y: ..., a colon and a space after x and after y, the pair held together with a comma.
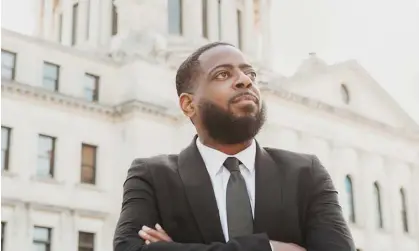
x: 239, y: 210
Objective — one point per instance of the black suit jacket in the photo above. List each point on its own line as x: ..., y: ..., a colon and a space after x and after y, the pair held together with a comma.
x: 296, y: 202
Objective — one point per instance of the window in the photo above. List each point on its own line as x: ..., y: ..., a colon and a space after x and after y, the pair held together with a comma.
x: 404, y: 210
x: 378, y: 206
x: 91, y: 87
x: 205, y: 18
x: 88, y: 164
x: 175, y: 16
x: 3, y: 229
x: 75, y: 21
x: 350, y: 198
x: 60, y: 28
x: 8, y: 64
x: 239, y: 29
x: 88, y: 19
x: 51, y: 76
x: 86, y: 241
x: 46, y: 157
x: 5, y: 147
x: 42, y: 239
x: 114, y: 20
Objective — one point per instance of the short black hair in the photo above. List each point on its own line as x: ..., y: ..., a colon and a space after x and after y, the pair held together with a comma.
x: 188, y: 69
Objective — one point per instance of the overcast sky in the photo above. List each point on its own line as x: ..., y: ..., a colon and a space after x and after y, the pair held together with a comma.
x: 382, y: 35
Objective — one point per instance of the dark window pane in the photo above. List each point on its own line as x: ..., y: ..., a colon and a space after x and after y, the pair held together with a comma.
x: 239, y: 29
x: 205, y: 18
x: 7, y: 73
x: 86, y: 241
x: 91, y: 87
x: 7, y: 59
x: 3, y: 230
x: 46, y: 150
x: 88, y: 165
x: 51, y: 76
x: 74, y: 26
x: 114, y: 20
x: 378, y: 206
x: 175, y: 16
x: 41, y: 234
x: 50, y: 84
x: 40, y: 247
x: 8, y: 62
x: 5, y: 145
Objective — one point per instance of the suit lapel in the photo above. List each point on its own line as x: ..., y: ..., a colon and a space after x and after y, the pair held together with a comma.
x: 200, y: 193
x: 268, y: 195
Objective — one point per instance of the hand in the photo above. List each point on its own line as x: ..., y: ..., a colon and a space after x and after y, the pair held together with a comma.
x: 282, y: 246
x: 151, y: 235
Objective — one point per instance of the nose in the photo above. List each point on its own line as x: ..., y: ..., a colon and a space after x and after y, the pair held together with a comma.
x: 244, y: 82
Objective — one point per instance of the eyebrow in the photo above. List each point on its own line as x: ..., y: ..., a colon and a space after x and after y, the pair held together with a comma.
x: 241, y: 66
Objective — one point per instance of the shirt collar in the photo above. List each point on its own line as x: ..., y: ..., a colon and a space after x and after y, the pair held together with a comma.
x: 214, y: 159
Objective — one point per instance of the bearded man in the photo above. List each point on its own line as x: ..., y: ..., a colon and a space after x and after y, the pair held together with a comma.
x: 224, y: 192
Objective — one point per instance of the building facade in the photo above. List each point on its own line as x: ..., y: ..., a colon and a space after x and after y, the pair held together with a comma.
x: 94, y: 89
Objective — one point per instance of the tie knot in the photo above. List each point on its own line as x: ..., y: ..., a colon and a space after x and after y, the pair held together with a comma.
x: 232, y: 164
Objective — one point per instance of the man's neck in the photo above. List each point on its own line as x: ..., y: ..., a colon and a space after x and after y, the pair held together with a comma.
x: 229, y: 149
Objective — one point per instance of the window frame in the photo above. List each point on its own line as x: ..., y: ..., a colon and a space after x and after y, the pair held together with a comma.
x: 57, y: 81
x: 83, y: 165
x: 52, y: 158
x: 7, y: 151
x: 14, y: 54
x: 48, y: 242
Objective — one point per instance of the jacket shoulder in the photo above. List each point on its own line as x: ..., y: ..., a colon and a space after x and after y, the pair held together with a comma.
x: 162, y: 161
x: 289, y: 158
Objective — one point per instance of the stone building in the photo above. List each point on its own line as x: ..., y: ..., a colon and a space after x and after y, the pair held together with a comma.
x: 94, y: 88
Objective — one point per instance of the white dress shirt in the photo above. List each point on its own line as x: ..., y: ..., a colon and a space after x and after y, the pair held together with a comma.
x: 219, y: 175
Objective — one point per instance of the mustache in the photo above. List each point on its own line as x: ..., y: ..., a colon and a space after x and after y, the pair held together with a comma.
x: 238, y: 95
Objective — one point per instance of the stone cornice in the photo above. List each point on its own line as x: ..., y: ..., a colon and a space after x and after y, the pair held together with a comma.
x: 339, y: 112
x: 66, y: 101
x: 34, y: 205
x: 115, y: 112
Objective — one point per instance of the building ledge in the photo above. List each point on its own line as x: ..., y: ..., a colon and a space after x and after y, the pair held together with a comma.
x: 33, y: 205
x: 119, y: 111
x: 12, y: 88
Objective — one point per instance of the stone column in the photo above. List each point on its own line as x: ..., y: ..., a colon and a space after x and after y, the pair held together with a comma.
x: 39, y: 18
x: 83, y: 19
x: 105, y: 30
x: 213, y: 32
x: 94, y: 25
x: 228, y: 22
x: 67, y: 22
x: 192, y: 19
x: 265, y: 15
x: 248, y: 32
x: 48, y: 21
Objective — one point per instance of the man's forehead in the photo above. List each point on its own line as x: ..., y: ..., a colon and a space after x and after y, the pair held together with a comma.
x: 221, y: 55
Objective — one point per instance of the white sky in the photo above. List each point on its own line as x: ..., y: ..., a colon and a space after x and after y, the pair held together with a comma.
x: 382, y: 35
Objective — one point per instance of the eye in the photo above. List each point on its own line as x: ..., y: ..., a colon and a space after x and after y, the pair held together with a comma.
x: 222, y: 75
x: 252, y: 75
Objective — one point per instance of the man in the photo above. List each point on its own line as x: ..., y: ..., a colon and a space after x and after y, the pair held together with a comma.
x: 224, y: 192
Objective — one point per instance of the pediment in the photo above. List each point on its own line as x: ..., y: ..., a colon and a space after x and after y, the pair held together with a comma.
x: 348, y: 86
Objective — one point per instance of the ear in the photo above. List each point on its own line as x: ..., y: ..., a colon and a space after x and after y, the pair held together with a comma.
x: 187, y: 105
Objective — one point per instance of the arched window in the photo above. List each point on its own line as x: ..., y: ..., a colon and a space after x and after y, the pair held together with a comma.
x: 350, y: 198
x: 404, y: 210
x: 378, y: 206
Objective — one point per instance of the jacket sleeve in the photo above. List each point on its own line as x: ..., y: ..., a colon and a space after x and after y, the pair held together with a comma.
x: 139, y: 208
x: 326, y: 229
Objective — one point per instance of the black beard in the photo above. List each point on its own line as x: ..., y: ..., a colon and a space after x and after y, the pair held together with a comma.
x: 226, y: 128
